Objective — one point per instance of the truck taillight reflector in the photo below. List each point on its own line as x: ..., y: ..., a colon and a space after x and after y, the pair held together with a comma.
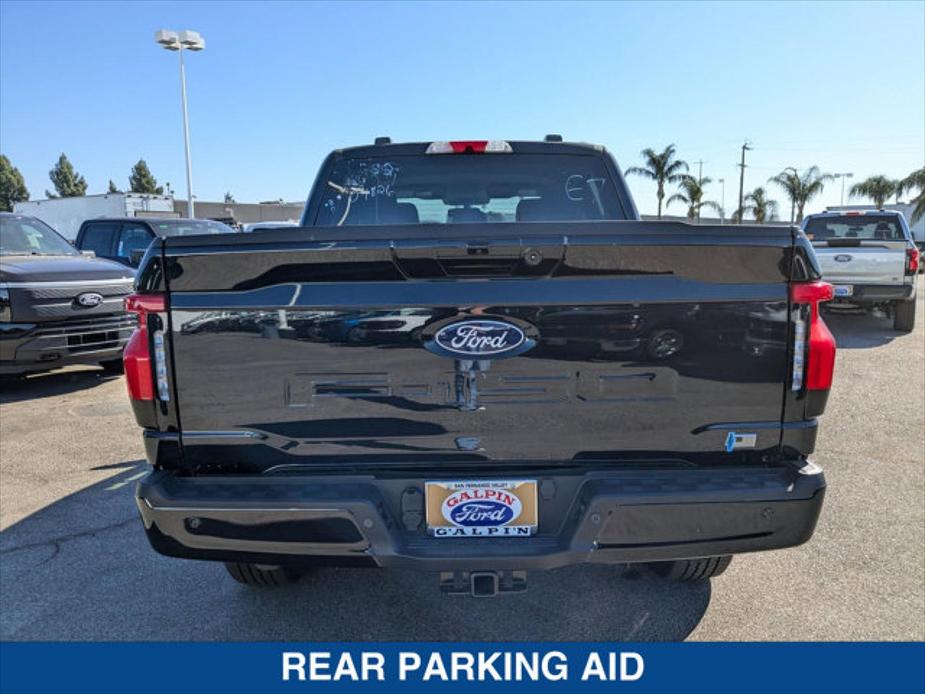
x: 137, y: 355
x: 814, y: 344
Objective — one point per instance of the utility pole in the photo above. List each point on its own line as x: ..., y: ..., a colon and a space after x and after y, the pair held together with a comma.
x: 722, y: 204
x: 700, y: 164
x: 746, y: 146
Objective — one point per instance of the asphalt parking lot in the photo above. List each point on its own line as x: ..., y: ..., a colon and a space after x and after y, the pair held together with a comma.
x: 75, y: 564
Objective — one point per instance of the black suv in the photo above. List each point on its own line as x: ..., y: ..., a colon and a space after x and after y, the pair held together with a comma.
x: 57, y: 306
x: 126, y: 239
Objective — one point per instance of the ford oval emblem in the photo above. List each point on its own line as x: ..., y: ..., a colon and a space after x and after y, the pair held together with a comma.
x: 478, y: 338
x: 843, y: 258
x: 89, y: 299
x: 487, y: 506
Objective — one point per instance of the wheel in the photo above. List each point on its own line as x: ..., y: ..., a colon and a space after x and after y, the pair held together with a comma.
x: 261, y: 575
x: 113, y: 366
x: 686, y: 570
x: 904, y: 315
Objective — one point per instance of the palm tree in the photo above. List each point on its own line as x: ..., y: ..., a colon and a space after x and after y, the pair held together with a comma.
x: 662, y: 168
x: 877, y: 188
x: 758, y: 204
x: 800, y: 189
x: 914, y: 180
x: 690, y: 192
x: 789, y: 181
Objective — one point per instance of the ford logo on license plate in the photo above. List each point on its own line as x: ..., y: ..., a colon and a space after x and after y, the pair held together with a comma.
x: 479, y: 339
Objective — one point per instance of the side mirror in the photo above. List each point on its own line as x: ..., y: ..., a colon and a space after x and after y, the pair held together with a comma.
x: 136, y: 256
x: 88, y: 254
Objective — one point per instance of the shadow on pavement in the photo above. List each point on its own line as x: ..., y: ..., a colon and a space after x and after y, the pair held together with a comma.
x: 37, y: 386
x: 860, y: 330
x: 81, y: 569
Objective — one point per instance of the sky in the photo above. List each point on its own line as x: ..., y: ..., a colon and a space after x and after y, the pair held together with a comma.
x: 279, y: 85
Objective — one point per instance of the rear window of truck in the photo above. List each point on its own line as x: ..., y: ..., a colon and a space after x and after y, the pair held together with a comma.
x: 869, y: 227
x: 457, y: 188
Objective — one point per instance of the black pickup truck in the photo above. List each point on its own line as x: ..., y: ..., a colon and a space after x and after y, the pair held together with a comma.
x: 473, y: 358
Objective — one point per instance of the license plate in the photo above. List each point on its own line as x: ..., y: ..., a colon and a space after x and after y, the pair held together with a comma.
x: 488, y: 508
x: 844, y: 290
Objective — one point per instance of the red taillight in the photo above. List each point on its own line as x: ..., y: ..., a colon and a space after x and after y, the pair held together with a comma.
x: 460, y: 146
x: 137, y: 354
x: 812, y: 338
x: 913, y: 259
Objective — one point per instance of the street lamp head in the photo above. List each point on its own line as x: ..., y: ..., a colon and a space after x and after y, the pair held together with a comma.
x: 168, y: 39
x: 191, y: 40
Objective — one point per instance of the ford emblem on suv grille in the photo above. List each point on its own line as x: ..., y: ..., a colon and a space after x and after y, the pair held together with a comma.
x: 89, y: 299
x: 479, y: 339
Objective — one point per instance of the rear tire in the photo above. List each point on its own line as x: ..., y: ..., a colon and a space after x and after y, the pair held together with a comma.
x: 686, y: 570
x: 113, y: 366
x: 904, y: 315
x: 261, y: 575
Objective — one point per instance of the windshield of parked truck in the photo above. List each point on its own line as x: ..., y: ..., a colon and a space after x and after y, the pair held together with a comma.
x: 468, y: 188
x: 189, y: 227
x: 30, y: 236
x: 863, y: 227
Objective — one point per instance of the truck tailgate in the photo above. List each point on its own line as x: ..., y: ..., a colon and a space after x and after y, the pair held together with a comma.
x: 584, y: 341
x: 864, y: 262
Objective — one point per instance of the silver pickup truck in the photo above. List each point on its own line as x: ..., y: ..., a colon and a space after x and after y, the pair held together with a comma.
x: 871, y: 259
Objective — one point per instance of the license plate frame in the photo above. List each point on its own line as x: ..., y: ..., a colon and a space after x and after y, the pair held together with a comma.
x: 843, y: 290
x: 481, y: 508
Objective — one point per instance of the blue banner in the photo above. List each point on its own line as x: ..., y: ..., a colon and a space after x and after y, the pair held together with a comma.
x: 230, y: 668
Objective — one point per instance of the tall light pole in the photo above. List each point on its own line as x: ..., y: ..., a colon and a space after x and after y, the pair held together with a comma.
x: 843, y: 176
x: 183, y: 41
x: 746, y: 146
x: 722, y: 203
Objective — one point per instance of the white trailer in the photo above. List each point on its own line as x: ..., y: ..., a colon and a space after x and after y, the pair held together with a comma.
x: 66, y: 215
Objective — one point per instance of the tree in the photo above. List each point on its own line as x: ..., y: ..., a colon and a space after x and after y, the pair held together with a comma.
x: 914, y: 180
x: 877, y: 188
x: 800, y: 188
x: 67, y: 182
x: 229, y: 198
x: 12, y: 186
x: 758, y: 204
x: 112, y: 187
x: 141, y: 180
x: 662, y: 168
x: 690, y: 193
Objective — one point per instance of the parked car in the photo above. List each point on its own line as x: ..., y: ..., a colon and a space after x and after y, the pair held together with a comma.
x: 58, y: 306
x: 125, y: 239
x: 871, y: 259
x: 445, y: 437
